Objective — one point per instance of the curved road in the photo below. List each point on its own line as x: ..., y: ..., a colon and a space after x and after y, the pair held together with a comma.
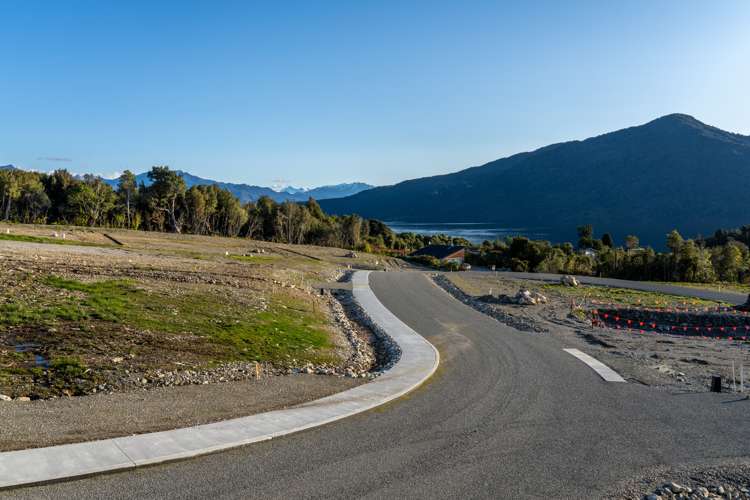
x: 508, y: 415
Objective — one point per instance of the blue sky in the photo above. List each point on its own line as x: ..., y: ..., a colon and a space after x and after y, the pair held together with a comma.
x: 312, y: 93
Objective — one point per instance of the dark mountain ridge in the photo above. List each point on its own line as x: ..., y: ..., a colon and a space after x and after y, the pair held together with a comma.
x: 673, y: 172
x: 246, y: 192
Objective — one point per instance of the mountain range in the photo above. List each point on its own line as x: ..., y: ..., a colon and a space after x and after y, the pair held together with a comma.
x: 246, y: 192
x: 673, y: 172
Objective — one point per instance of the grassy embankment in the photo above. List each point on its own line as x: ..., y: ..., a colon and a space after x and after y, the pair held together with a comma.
x: 626, y: 297
x: 719, y: 285
x: 76, y: 328
x: 50, y: 241
x: 480, y: 284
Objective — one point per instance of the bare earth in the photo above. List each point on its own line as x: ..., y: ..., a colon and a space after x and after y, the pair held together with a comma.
x: 671, y: 362
x: 69, y: 420
x: 136, y: 375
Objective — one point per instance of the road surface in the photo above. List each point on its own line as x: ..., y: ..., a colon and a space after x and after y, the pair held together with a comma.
x: 508, y: 415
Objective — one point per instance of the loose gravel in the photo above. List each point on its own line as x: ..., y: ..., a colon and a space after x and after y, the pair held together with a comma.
x: 729, y: 480
x: 67, y: 420
x: 517, y: 322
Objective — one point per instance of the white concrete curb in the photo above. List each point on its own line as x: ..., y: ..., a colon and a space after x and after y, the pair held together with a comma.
x: 419, y: 360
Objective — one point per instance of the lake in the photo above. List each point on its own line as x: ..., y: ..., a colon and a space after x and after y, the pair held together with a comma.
x: 475, y: 232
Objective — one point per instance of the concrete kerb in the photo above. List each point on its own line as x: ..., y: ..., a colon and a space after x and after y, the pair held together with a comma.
x: 419, y: 360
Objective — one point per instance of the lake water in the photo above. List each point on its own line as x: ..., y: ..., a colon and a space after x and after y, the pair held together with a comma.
x: 476, y: 232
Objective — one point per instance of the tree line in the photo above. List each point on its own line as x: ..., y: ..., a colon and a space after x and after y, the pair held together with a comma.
x: 166, y: 204
x: 723, y: 257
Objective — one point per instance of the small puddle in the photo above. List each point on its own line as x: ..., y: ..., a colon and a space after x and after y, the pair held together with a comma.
x: 39, y: 360
x: 25, y: 347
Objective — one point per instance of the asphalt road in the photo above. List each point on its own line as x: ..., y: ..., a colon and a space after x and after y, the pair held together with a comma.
x: 508, y: 415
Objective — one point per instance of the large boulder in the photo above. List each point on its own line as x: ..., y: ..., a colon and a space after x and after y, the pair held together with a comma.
x: 569, y: 281
x: 529, y: 298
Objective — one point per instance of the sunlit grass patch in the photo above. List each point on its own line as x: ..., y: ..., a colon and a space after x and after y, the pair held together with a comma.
x: 627, y: 297
x: 49, y: 241
x: 287, y: 327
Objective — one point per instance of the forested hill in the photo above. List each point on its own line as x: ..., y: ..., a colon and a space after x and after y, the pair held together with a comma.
x: 673, y: 172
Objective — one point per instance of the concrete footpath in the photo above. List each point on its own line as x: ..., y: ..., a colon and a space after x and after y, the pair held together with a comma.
x: 418, y: 361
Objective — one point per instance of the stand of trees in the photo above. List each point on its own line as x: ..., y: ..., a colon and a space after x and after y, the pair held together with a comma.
x: 723, y: 257
x: 167, y: 205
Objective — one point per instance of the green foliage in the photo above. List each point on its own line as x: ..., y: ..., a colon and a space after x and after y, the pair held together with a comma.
x: 68, y: 367
x: 585, y: 236
x: 688, y: 261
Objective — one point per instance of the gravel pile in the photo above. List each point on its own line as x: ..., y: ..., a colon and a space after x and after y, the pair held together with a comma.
x: 386, y: 351
x: 673, y: 490
x: 721, y: 480
x: 523, y: 324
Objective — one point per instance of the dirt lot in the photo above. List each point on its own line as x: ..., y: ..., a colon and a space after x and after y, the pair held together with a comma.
x: 674, y: 362
x: 117, y: 315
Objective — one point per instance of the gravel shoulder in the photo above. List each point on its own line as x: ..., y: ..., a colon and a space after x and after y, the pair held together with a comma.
x: 67, y: 420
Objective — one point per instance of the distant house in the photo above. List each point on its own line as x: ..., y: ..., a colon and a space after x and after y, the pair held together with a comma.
x: 444, y: 253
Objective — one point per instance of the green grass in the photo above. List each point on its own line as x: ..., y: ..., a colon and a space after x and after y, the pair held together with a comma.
x: 50, y: 241
x: 719, y: 285
x: 626, y: 297
x: 288, y: 328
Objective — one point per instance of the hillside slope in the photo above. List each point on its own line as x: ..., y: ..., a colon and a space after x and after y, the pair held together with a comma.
x: 672, y: 172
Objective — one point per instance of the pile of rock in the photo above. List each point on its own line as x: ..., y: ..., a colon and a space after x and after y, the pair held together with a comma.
x: 569, y: 281
x: 684, y: 322
x: 524, y: 297
x: 386, y: 350
x: 674, y: 491
x: 483, y: 305
x: 361, y: 355
x: 528, y: 298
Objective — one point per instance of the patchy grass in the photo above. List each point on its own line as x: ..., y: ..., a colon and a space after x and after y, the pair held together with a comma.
x: 626, y: 297
x: 257, y: 259
x: 49, y: 241
x: 288, y: 326
x: 720, y: 286
x: 78, y: 326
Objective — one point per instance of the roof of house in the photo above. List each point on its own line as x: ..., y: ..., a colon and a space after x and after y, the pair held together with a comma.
x: 438, y: 251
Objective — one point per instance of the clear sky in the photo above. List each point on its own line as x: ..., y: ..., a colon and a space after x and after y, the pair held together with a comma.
x: 318, y: 92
